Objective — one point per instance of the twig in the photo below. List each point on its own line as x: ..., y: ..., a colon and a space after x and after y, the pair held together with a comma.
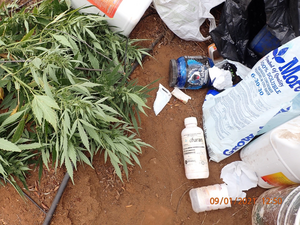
x: 175, y: 190
x: 237, y: 211
x: 217, y: 222
x: 16, y: 61
x: 182, y: 197
x: 203, y: 219
x: 88, y: 69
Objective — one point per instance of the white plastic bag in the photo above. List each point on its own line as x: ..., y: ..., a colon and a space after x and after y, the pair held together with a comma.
x: 184, y: 17
x: 234, y: 117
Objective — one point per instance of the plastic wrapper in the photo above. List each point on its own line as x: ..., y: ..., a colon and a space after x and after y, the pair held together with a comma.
x: 241, y: 21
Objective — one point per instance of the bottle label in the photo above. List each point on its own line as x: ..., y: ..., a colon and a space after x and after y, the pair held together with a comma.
x: 109, y: 7
x: 194, y: 153
x: 193, y: 72
x: 277, y: 179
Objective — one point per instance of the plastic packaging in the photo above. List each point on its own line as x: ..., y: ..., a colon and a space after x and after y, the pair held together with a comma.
x: 190, y: 72
x: 194, y: 151
x: 180, y: 95
x: 234, y: 117
x: 123, y: 14
x: 264, y: 42
x: 214, y: 54
x: 278, y: 206
x: 241, y: 21
x: 208, y: 198
x: 163, y: 96
x: 185, y: 17
x: 274, y: 156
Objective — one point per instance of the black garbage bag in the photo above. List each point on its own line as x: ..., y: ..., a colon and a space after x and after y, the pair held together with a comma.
x: 241, y: 21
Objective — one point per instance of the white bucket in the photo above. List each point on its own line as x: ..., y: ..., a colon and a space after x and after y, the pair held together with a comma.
x: 275, y: 155
x: 123, y: 14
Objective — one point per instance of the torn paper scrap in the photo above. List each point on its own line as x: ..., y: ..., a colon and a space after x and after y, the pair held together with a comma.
x: 239, y: 177
x: 221, y: 79
x: 180, y: 95
x: 163, y: 96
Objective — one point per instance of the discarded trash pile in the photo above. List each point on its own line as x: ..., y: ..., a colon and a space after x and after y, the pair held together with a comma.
x: 252, y: 74
x: 253, y: 104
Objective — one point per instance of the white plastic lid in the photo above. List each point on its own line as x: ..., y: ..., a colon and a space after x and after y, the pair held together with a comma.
x: 190, y: 120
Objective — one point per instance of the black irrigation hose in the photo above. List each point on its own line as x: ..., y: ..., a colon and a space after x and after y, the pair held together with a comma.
x: 66, y: 178
x: 27, y: 196
x: 56, y: 200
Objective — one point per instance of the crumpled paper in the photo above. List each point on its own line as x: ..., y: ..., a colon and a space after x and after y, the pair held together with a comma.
x: 163, y: 96
x: 221, y: 79
x: 239, y: 177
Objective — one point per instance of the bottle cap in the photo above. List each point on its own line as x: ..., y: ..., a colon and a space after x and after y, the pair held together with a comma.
x: 190, y: 120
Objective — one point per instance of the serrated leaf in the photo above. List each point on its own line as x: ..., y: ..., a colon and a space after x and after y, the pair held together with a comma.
x: 35, y: 75
x: 11, y: 119
x: 8, y: 146
x: 28, y: 35
x: 46, y: 86
x: 72, y: 154
x: 122, y: 149
x: 2, y: 42
x: 70, y: 76
x: 93, y: 134
x: 69, y: 167
x: 46, y: 100
x: 45, y: 157
x: 50, y: 115
x: 50, y: 69
x: 91, y: 34
x: 42, y: 108
x: 31, y: 146
x: 108, y: 108
x: 19, y: 130
x: 135, y: 158
x: 93, y: 60
x: 108, y: 118
x: 67, y: 120
x: 85, y: 159
x: 37, y: 111
x: 115, y: 162
x: 37, y: 62
x: 138, y: 101
x: 83, y: 136
x: 62, y: 39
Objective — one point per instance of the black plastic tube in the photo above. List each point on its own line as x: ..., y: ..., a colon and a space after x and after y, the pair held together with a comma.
x: 56, y: 200
x: 26, y: 195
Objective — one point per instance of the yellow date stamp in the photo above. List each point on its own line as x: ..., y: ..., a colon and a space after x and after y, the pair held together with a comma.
x: 244, y: 201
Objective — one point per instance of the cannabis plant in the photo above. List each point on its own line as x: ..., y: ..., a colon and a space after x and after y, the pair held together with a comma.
x: 65, y: 90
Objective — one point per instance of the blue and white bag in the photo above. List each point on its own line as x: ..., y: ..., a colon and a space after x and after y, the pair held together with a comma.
x: 268, y: 95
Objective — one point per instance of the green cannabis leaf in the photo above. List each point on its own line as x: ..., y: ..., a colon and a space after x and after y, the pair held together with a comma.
x: 67, y: 92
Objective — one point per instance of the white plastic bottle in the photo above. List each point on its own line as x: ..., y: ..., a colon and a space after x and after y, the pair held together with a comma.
x: 194, y: 151
x: 211, y: 197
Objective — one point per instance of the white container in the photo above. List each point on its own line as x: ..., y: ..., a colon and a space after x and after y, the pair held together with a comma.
x: 194, y: 151
x: 210, y: 198
x: 123, y: 14
x: 278, y: 206
x: 275, y: 155
x: 214, y: 54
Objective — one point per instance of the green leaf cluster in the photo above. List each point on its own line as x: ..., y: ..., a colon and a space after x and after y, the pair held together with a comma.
x: 67, y: 91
